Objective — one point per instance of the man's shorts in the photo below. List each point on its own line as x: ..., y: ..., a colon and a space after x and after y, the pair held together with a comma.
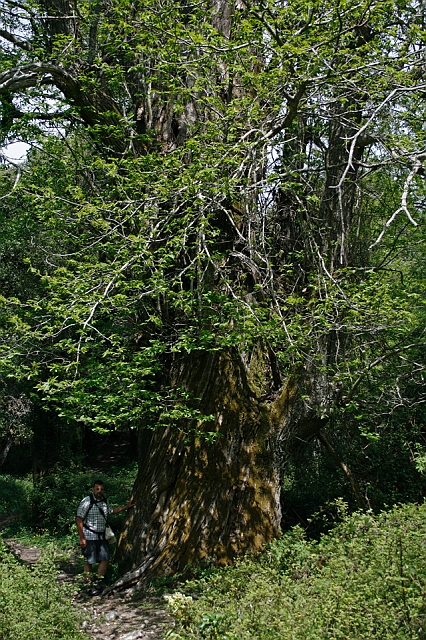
x: 96, y: 551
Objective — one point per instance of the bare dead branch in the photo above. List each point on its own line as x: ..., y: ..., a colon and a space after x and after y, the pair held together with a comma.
x: 404, y: 206
x: 377, y: 361
x: 18, y: 168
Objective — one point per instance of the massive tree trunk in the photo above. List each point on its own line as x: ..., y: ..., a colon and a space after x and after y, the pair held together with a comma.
x: 198, y: 500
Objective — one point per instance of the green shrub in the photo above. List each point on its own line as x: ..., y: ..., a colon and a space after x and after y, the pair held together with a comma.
x: 366, y: 579
x: 33, y: 605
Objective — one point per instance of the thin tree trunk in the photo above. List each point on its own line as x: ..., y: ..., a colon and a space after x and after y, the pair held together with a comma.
x: 5, y: 448
x: 354, y: 484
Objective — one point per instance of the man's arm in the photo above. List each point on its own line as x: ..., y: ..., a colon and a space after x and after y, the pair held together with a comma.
x: 83, y: 541
x: 129, y: 505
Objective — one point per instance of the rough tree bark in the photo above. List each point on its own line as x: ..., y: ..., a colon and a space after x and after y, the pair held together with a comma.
x: 198, y: 501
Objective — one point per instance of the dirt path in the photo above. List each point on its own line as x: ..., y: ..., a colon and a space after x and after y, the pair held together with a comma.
x: 116, y: 616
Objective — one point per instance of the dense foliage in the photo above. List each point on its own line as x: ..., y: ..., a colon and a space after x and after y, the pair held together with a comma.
x: 365, y: 579
x: 247, y: 224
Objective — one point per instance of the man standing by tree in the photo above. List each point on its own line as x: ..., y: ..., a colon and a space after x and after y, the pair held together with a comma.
x: 92, y: 516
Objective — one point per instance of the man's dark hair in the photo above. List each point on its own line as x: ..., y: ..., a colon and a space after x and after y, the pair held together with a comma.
x: 98, y: 482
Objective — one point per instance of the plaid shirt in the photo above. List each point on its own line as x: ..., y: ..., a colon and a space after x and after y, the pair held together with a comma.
x: 93, y: 517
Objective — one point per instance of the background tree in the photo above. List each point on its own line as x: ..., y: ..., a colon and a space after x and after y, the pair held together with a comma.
x: 217, y: 178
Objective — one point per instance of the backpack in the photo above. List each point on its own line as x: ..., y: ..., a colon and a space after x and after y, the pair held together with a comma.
x: 93, y: 503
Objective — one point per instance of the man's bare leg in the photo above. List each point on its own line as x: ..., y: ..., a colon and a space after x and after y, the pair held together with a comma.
x: 87, y: 571
x: 102, y: 569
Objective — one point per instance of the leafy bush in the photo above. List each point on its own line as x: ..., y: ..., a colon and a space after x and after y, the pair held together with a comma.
x: 33, y: 605
x: 365, y: 579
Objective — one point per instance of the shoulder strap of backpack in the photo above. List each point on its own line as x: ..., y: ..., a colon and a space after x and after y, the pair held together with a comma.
x: 93, y: 503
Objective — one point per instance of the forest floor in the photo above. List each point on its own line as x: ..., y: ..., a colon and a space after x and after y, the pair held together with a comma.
x: 115, y: 616
x: 118, y: 617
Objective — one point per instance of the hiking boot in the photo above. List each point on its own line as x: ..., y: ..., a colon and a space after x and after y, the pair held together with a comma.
x: 98, y: 586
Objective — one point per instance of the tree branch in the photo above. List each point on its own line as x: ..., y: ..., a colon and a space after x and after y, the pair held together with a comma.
x: 373, y: 364
x: 404, y: 205
x: 96, y: 107
x: 19, y: 42
x: 18, y: 174
x: 26, y: 76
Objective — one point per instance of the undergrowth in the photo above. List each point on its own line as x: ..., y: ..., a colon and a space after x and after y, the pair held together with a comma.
x: 365, y: 579
x: 33, y: 604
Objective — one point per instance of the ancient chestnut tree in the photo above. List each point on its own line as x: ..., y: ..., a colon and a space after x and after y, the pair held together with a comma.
x: 222, y: 190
